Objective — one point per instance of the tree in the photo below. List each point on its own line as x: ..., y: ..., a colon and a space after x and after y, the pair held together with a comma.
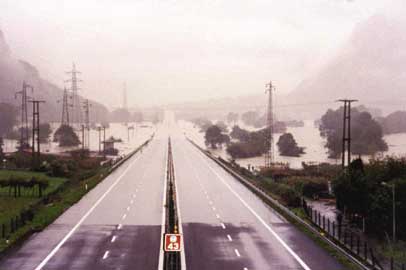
x: 44, y: 132
x: 366, y: 133
x: 288, y: 147
x: 232, y: 117
x: 214, y: 137
x: 250, y: 118
x: 8, y: 118
x: 222, y: 126
x: 202, y: 123
x: 360, y: 192
x: 250, y: 144
x: 120, y: 115
x: 394, y: 122
x: 240, y: 134
x: 66, y: 136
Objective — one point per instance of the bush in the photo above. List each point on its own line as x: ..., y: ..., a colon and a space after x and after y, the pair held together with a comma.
x: 287, y: 194
x: 308, y: 186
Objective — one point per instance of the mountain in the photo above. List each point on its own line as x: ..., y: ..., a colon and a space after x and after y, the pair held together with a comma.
x: 12, y: 74
x: 371, y: 67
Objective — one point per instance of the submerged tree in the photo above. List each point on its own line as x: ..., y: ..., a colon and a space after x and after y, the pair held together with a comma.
x: 214, y: 137
x: 66, y: 136
x: 366, y: 133
x: 288, y: 147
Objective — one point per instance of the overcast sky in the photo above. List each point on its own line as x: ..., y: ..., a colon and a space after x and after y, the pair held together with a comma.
x: 180, y: 50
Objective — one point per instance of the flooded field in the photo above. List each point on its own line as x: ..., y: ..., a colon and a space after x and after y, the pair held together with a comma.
x: 131, y: 138
x: 307, y: 136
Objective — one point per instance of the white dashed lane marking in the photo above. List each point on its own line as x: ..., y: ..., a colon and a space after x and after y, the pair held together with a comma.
x: 237, y: 253
x: 113, y: 239
x: 106, y: 254
x: 229, y: 238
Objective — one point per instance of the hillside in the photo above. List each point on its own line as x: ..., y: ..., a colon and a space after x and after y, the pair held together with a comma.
x: 12, y: 74
x: 371, y: 67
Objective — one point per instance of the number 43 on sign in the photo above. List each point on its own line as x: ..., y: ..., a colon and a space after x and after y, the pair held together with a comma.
x: 172, y: 242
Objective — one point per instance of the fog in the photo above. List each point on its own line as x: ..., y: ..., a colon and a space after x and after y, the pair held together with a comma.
x: 176, y: 51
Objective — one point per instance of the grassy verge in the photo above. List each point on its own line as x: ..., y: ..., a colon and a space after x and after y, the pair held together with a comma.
x: 11, y: 206
x: 45, y: 213
x: 57, y: 198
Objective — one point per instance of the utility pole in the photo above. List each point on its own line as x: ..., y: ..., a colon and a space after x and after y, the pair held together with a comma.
x: 269, y: 154
x: 104, y: 141
x: 76, y: 107
x: 35, y: 133
x: 125, y: 104
x: 83, y: 137
x: 86, y: 107
x: 99, y: 131
x: 346, y: 141
x: 24, y: 132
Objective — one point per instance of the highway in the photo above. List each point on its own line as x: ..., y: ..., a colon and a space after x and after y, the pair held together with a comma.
x: 226, y: 226
x: 117, y: 225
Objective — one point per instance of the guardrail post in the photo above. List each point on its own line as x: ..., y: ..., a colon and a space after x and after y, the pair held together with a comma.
x: 334, y: 229
x: 391, y: 263
x: 328, y: 226
x: 365, y: 250
x: 351, y: 244
x: 324, y: 223
x: 345, y: 237
x: 358, y: 243
x: 3, y: 230
x: 403, y: 266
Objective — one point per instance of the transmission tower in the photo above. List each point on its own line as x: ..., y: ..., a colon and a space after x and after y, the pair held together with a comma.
x: 65, y: 121
x: 76, y: 117
x: 346, y: 147
x: 269, y: 154
x: 24, y: 132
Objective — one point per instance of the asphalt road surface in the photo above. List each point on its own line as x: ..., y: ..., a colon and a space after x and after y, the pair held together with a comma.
x: 226, y: 226
x: 118, y: 223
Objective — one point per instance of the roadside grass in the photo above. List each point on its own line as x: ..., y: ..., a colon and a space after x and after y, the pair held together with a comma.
x: 45, y: 214
x: 11, y: 206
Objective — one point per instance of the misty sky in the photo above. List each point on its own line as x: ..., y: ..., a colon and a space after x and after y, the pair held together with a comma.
x: 180, y: 50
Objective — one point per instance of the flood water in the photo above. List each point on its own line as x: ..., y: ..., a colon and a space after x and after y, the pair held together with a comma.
x: 307, y: 136
x: 131, y: 138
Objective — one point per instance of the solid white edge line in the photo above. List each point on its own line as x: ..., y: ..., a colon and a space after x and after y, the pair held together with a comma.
x: 161, y: 250
x: 280, y: 240
x: 59, y: 245
x: 182, y: 253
